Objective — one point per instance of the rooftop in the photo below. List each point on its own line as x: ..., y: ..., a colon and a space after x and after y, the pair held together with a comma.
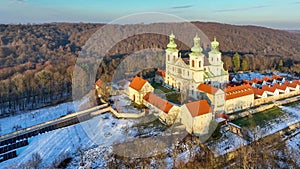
x: 207, y: 88
x: 199, y: 108
x: 137, y: 83
x: 158, y: 102
x: 238, y: 91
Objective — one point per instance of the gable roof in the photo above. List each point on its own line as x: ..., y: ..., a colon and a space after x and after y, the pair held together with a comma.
x: 269, y: 89
x: 238, y: 91
x: 207, y: 89
x: 137, y: 83
x: 258, y: 91
x: 277, y: 77
x: 292, y: 84
x: 158, y: 102
x: 280, y: 86
x: 198, y: 108
x: 161, y: 72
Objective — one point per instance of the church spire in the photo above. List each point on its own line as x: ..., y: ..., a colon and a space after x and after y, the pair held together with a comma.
x: 172, y: 45
x: 196, y: 49
x: 214, y: 46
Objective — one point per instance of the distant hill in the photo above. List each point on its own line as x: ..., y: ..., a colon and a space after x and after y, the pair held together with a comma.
x: 36, y: 61
x: 294, y: 31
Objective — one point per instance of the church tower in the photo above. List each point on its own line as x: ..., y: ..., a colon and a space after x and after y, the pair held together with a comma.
x: 196, y: 61
x: 171, y: 57
x: 171, y: 51
x: 215, y: 60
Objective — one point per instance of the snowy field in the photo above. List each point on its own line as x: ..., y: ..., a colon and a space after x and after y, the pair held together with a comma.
x: 101, y: 131
x: 30, y: 118
x: 290, y: 117
x: 123, y: 104
x: 230, y: 142
x: 227, y: 143
x: 293, y: 145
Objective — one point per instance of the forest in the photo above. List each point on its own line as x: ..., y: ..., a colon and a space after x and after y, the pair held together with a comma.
x: 37, y: 60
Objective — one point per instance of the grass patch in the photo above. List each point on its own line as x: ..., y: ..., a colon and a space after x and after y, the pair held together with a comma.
x: 293, y: 104
x: 260, y: 118
x: 159, y: 87
x: 138, y: 106
x: 174, y: 97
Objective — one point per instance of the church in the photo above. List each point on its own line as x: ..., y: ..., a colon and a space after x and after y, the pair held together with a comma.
x: 186, y: 74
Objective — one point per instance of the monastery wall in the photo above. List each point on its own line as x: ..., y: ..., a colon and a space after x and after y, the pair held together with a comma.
x: 261, y: 101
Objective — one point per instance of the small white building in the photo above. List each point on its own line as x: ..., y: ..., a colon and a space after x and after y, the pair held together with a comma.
x: 238, y: 98
x: 215, y: 95
x: 138, y: 88
x: 196, y: 116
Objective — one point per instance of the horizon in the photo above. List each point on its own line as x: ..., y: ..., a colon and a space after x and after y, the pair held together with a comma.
x: 272, y: 14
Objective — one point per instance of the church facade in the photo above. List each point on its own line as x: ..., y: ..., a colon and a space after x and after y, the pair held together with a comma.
x: 185, y: 74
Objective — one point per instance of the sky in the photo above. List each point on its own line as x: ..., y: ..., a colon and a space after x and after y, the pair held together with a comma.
x: 280, y: 14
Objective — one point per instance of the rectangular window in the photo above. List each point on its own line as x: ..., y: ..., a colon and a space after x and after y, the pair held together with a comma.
x: 179, y: 71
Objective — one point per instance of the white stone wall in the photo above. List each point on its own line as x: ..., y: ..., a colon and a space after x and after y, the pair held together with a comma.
x: 239, y: 103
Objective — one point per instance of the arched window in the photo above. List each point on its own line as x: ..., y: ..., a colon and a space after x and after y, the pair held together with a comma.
x: 193, y: 63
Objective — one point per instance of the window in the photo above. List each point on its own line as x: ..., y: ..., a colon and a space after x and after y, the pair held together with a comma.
x: 168, y: 57
x: 179, y: 71
x: 200, y: 64
x: 193, y: 63
x: 188, y: 73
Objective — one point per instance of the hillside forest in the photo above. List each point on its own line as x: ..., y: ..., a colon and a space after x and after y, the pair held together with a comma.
x: 37, y: 61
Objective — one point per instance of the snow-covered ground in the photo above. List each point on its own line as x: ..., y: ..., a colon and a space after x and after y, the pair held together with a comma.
x: 293, y: 145
x: 290, y: 117
x: 123, y: 104
x: 249, y: 76
x: 227, y: 143
x: 230, y: 142
x: 33, y: 117
x: 30, y: 118
x: 102, y: 131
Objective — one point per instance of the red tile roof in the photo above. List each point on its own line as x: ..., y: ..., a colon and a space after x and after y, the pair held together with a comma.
x: 256, y: 80
x: 280, y: 86
x: 238, y: 91
x: 269, y: 89
x: 277, y: 77
x: 161, y: 72
x: 247, y: 82
x: 292, y: 84
x: 98, y: 83
x: 207, y: 89
x: 258, y: 91
x: 137, y: 83
x: 199, y: 108
x: 158, y: 102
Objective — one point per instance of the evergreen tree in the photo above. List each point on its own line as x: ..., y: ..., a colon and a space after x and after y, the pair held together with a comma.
x: 280, y: 65
x: 236, y: 61
x: 244, y: 65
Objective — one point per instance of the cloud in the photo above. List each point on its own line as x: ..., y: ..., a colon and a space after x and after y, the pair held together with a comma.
x: 242, y: 9
x: 181, y: 7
